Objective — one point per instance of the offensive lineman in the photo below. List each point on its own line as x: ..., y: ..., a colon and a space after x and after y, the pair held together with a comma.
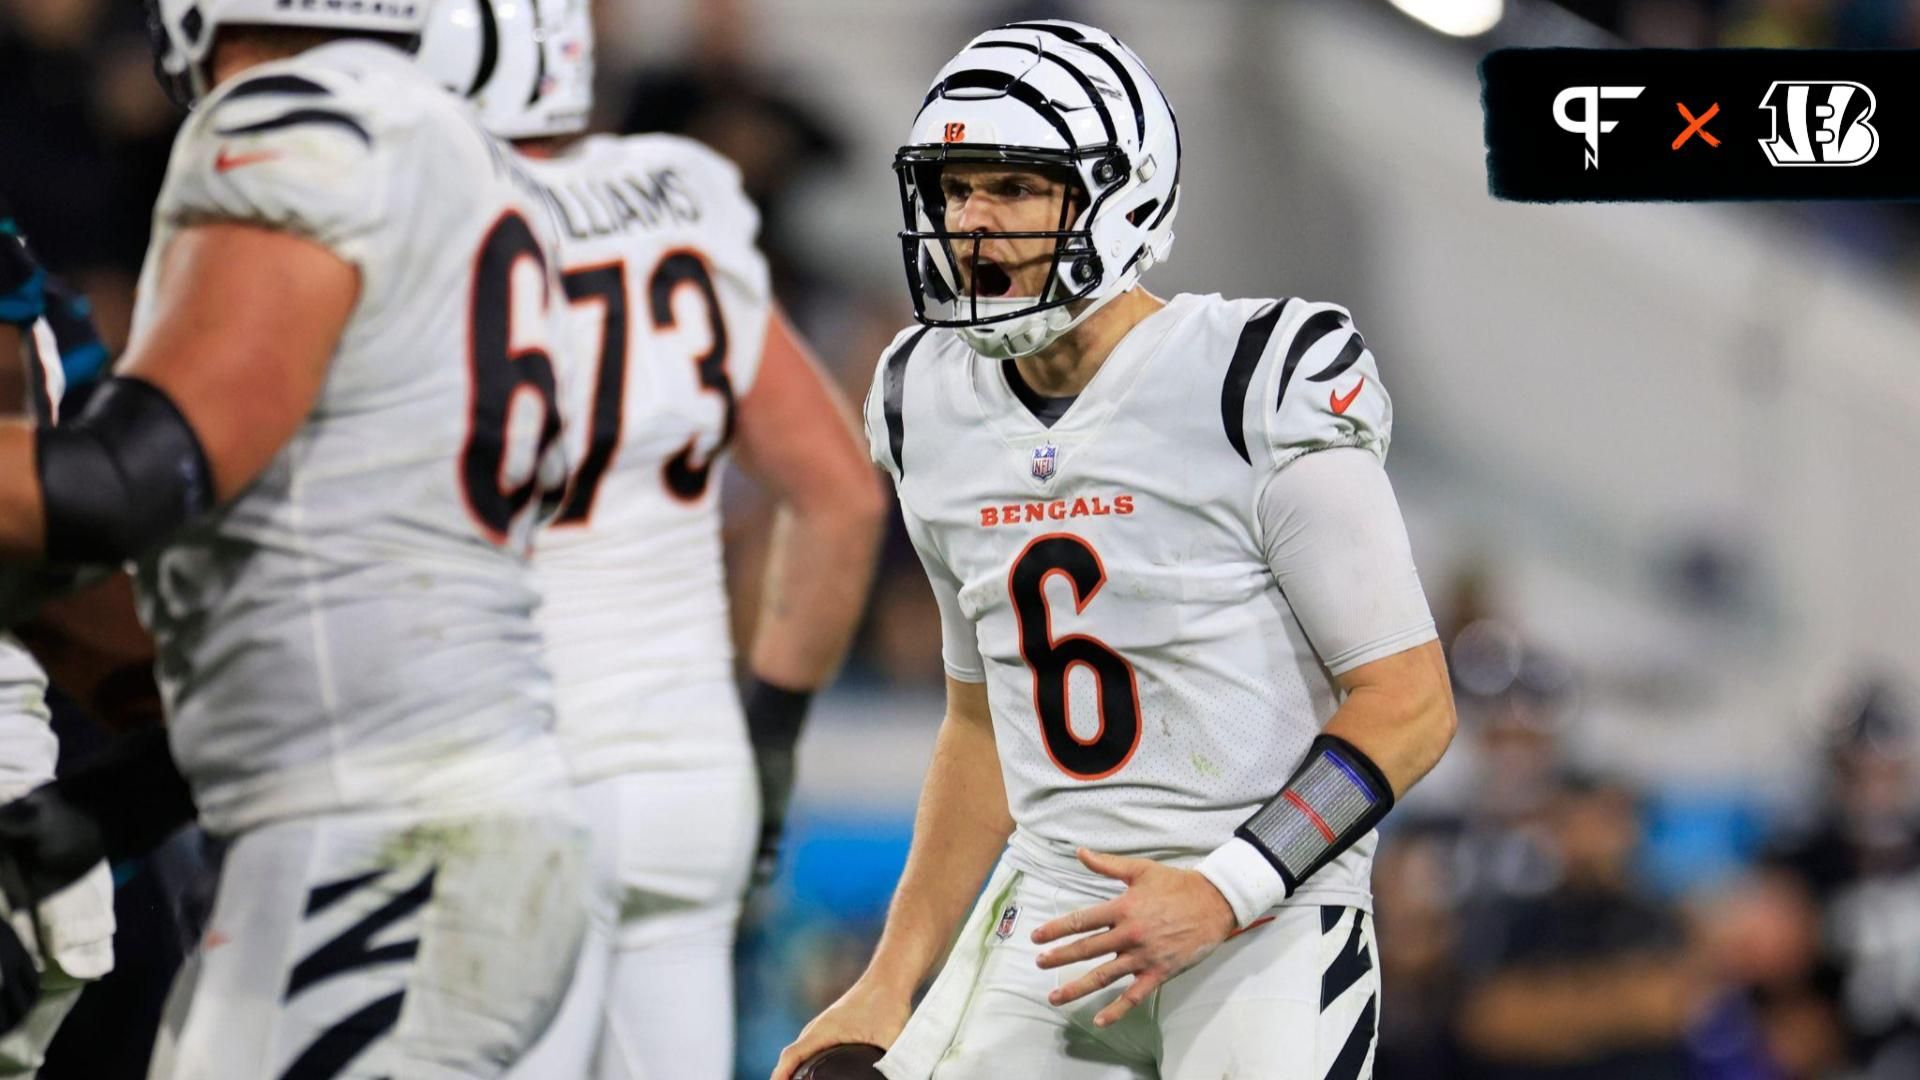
x: 679, y: 354
x: 1190, y: 663
x: 325, y: 448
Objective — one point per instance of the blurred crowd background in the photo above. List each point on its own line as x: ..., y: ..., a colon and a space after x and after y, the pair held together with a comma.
x: 1656, y: 462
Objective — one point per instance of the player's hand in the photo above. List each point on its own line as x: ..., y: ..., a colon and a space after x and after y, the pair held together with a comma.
x: 866, y: 1013
x: 1167, y: 921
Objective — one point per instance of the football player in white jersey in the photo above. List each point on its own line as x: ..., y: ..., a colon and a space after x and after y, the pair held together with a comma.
x: 1189, y: 661
x: 71, y: 932
x: 679, y: 356
x: 325, y: 449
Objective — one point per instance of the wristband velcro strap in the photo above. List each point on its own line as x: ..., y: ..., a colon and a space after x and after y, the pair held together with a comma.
x: 1334, y: 798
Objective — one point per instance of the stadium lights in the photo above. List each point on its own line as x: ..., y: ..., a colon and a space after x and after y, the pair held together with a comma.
x: 1459, y: 18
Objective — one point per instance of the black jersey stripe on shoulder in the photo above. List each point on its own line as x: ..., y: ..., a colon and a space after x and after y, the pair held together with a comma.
x: 1347, y: 358
x: 1246, y: 357
x: 292, y: 85
x: 1311, y: 333
x: 302, y: 116
x: 894, y: 395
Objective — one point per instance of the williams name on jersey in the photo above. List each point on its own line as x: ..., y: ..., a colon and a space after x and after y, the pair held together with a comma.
x: 669, y: 300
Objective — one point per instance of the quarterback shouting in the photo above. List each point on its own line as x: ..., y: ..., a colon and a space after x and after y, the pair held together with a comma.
x: 1190, y: 665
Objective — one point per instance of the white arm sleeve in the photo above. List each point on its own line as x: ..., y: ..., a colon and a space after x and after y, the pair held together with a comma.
x: 1338, y: 548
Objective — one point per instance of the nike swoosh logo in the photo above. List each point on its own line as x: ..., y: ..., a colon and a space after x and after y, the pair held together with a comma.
x: 1339, y: 404
x: 224, y: 162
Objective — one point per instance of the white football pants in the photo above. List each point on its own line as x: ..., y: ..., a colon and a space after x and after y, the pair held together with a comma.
x: 383, y: 944
x: 653, y: 996
x: 1294, y: 998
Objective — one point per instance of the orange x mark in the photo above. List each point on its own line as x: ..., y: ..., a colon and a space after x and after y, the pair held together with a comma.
x: 1697, y: 125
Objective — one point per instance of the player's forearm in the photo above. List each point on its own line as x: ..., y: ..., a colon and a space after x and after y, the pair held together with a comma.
x: 23, y: 530
x: 1389, y: 731
x: 817, y: 577
x: 958, y: 834
x: 1404, y: 723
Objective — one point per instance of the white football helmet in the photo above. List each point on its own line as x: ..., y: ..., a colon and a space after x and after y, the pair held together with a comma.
x: 182, y: 31
x: 1055, y: 94
x: 527, y: 65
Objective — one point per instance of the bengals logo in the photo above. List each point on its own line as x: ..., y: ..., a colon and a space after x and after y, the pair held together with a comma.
x: 1820, y: 123
x: 956, y: 132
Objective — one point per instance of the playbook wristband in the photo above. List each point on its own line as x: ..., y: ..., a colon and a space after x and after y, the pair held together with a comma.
x: 1334, y: 798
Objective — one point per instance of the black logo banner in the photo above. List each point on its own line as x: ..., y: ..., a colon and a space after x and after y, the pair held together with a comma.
x: 1655, y: 125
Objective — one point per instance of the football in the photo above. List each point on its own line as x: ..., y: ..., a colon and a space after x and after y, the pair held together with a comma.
x: 848, y: 1061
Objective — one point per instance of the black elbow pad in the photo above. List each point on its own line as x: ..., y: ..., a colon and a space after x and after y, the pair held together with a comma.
x: 122, y: 477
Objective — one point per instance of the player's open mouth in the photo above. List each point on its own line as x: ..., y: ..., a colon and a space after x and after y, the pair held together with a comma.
x: 989, y: 279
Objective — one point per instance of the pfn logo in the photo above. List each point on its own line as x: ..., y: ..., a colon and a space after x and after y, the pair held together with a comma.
x: 1826, y: 124
x: 1588, y: 124
x: 956, y: 132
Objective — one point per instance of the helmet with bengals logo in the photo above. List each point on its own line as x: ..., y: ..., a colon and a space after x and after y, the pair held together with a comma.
x: 527, y: 65
x: 1057, y: 96
x: 182, y: 31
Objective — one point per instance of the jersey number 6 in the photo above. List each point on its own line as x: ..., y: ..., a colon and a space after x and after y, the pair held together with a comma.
x: 1053, y: 660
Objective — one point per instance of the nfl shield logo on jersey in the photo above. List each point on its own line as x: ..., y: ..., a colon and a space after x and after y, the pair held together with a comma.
x: 1007, y: 919
x: 1043, y: 460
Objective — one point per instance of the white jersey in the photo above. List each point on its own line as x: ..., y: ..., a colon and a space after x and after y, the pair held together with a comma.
x: 670, y: 305
x: 355, y: 630
x: 1106, y: 577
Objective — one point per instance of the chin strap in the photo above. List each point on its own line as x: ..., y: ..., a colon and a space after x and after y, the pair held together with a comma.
x: 1016, y: 338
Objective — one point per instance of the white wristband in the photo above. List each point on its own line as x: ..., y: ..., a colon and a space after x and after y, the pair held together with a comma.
x: 1245, y: 877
